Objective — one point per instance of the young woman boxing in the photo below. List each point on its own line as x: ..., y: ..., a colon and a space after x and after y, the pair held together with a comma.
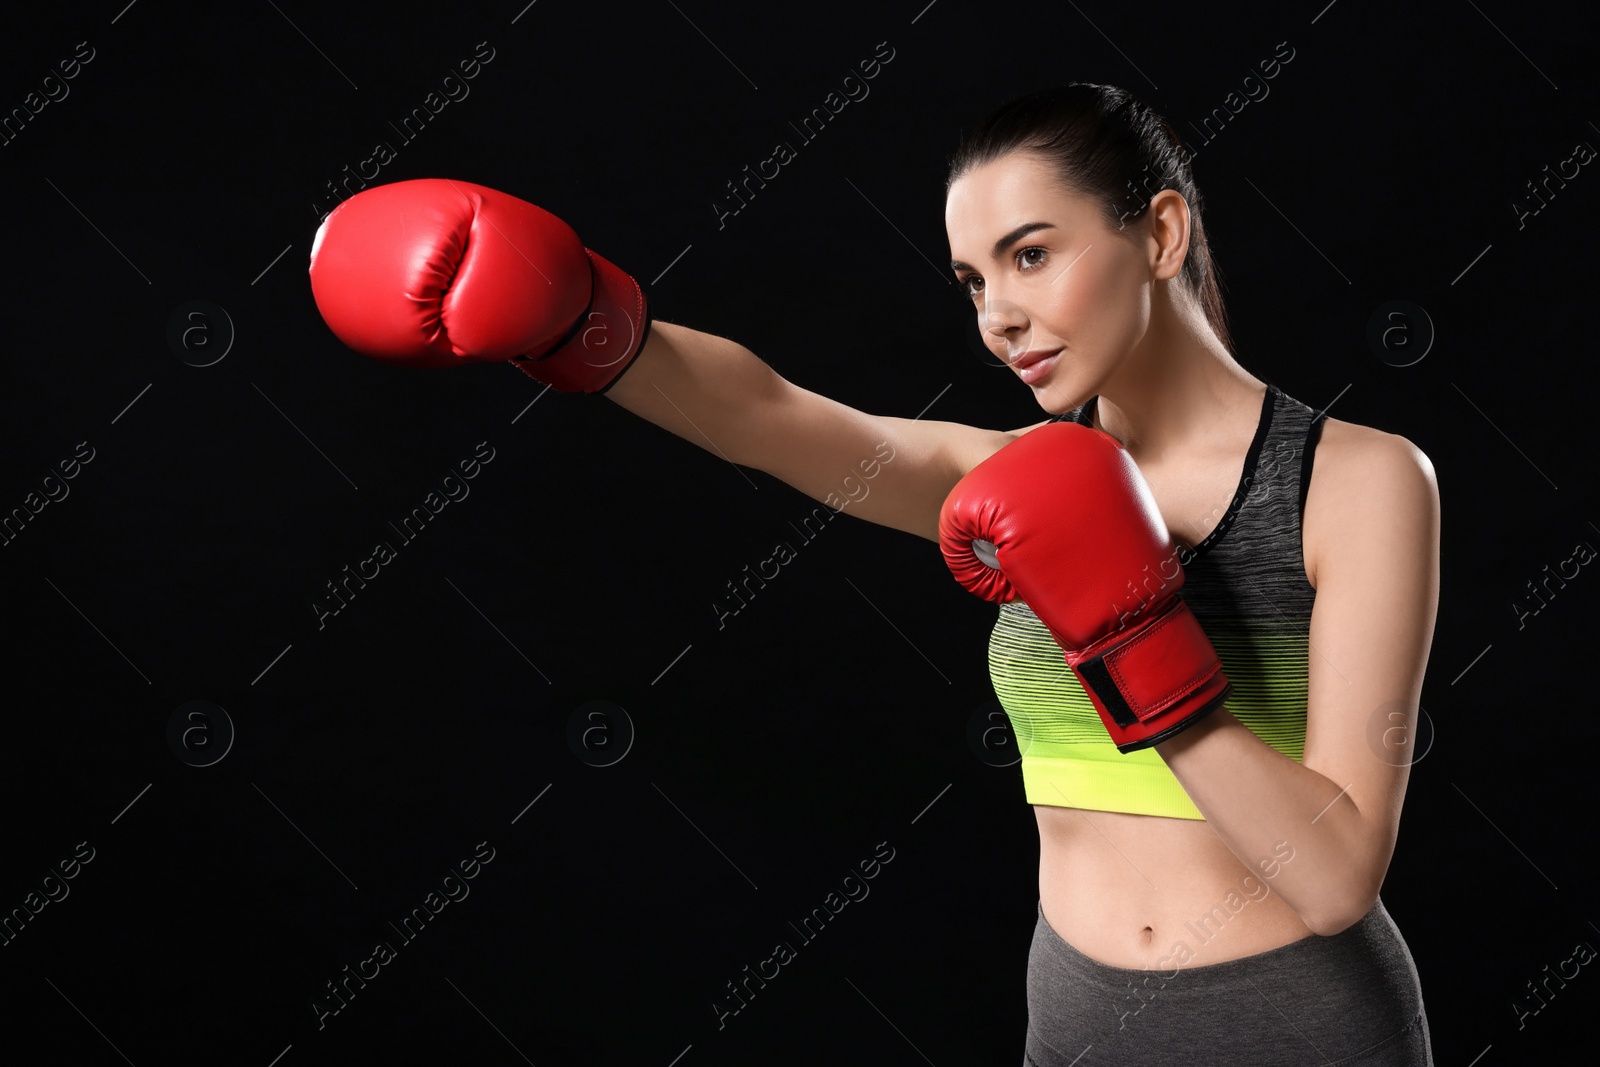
x: 1216, y: 605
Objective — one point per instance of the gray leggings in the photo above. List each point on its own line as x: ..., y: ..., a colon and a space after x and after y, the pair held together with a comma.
x: 1350, y: 999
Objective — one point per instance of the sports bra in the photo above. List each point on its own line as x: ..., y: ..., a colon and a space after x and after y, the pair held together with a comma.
x: 1246, y: 584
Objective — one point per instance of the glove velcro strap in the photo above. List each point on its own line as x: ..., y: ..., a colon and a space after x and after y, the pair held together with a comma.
x: 603, y: 342
x: 1147, y: 674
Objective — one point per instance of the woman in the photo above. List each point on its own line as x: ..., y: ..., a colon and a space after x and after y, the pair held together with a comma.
x: 1310, y: 546
x: 1213, y: 897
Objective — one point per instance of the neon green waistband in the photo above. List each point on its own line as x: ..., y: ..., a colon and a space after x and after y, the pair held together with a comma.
x: 1100, y: 778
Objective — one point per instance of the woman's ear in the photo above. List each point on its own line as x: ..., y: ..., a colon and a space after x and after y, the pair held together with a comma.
x: 1168, y: 240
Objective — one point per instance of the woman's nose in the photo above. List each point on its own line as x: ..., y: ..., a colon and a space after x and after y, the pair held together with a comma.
x: 999, y: 316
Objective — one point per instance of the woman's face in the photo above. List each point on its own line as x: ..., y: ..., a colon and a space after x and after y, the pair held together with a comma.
x: 1047, y: 276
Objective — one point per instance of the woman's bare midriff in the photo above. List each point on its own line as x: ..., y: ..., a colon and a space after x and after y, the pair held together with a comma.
x: 1127, y: 889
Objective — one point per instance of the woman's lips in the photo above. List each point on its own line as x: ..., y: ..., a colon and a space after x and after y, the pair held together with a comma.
x: 1032, y: 366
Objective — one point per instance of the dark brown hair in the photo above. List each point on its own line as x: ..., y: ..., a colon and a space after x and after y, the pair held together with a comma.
x: 1104, y: 144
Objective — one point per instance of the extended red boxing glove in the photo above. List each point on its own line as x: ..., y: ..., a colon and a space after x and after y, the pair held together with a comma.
x: 1072, y: 529
x: 434, y: 272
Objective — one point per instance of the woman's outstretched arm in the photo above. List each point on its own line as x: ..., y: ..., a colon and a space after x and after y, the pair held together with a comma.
x: 435, y: 273
x: 719, y: 395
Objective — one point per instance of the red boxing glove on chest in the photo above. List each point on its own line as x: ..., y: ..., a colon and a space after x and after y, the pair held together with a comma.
x: 1070, y: 527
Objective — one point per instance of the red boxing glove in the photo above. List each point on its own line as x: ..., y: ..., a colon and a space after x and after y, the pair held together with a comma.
x: 1072, y: 528
x: 433, y: 273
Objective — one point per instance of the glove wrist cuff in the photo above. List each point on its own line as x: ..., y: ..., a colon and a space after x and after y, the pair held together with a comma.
x: 604, y: 341
x: 1151, y: 683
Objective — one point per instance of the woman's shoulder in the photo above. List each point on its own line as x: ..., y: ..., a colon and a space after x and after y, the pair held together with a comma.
x: 1355, y: 451
x: 1365, y: 483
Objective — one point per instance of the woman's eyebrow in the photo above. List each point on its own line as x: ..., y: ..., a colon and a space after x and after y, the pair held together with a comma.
x: 1005, y: 242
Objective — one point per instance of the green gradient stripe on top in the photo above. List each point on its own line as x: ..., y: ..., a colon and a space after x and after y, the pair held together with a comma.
x: 1068, y: 759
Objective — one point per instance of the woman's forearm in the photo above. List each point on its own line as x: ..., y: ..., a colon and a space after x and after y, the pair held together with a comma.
x: 704, y: 388
x: 1255, y: 797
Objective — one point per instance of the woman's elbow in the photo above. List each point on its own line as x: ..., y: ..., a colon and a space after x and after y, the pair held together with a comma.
x: 1338, y: 913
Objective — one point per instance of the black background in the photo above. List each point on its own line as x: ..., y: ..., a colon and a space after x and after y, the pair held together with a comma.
x: 375, y: 752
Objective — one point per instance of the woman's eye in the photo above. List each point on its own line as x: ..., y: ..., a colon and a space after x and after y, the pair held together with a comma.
x: 1027, y: 264
x: 971, y: 285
